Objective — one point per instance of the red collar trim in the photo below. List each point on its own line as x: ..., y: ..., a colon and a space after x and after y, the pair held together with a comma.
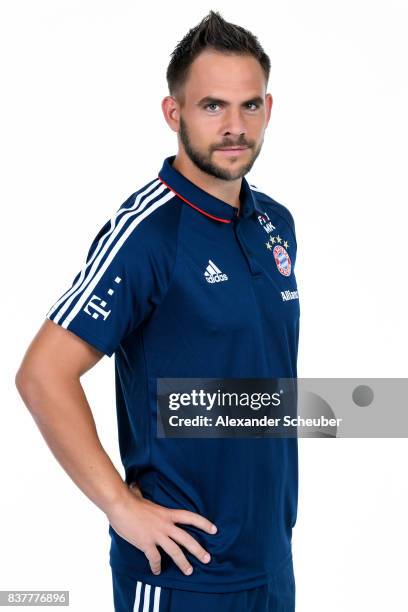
x: 194, y: 206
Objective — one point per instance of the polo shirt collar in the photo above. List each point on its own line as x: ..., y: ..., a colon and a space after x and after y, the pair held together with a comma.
x: 204, y: 202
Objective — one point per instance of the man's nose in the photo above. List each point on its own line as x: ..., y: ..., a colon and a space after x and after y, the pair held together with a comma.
x: 234, y: 122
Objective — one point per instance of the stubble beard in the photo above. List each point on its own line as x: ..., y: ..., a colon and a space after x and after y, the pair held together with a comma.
x: 204, y: 163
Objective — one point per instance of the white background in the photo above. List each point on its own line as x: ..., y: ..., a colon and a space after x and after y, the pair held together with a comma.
x: 82, y: 129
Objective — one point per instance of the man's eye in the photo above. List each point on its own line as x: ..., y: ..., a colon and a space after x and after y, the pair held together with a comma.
x: 211, y: 104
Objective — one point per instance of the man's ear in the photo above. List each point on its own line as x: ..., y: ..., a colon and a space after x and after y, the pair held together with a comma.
x: 268, y: 107
x: 171, y: 112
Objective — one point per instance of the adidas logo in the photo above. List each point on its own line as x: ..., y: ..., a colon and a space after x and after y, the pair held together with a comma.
x: 213, y: 274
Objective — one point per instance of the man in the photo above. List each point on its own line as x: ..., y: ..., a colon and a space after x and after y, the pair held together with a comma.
x: 192, y: 277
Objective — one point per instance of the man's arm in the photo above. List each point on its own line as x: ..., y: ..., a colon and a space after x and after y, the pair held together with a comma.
x: 48, y: 381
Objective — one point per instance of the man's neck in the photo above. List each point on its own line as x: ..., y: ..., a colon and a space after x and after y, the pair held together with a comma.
x: 227, y: 191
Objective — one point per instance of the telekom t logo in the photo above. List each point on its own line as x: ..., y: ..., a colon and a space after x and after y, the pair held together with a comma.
x: 95, y: 306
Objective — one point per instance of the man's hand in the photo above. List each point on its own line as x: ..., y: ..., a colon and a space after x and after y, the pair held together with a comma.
x: 147, y: 525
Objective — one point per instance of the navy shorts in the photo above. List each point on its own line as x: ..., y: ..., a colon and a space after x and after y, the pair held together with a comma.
x: 277, y: 595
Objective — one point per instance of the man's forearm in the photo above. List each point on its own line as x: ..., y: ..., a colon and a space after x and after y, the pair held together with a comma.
x: 62, y: 413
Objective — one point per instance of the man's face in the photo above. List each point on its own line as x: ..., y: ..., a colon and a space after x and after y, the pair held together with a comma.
x: 224, y: 106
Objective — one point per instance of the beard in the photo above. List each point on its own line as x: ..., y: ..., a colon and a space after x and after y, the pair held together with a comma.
x: 203, y: 160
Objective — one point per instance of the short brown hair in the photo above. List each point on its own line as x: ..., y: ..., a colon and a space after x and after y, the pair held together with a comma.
x: 215, y: 33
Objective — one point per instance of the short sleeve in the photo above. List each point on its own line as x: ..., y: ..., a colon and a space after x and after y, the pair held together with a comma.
x: 124, y: 277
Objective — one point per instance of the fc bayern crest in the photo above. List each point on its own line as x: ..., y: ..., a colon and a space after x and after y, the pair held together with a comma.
x: 282, y: 260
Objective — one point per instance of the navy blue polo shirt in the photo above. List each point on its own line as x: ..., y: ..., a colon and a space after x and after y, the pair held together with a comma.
x: 178, y: 284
